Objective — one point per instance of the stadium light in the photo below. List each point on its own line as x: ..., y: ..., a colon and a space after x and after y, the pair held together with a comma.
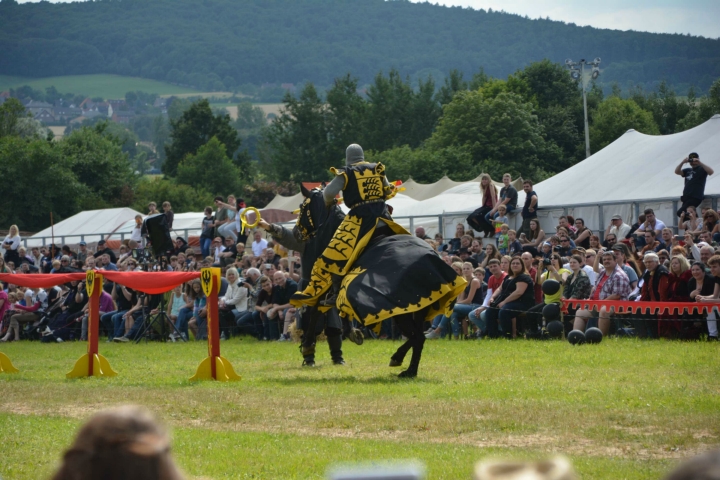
x: 577, y: 72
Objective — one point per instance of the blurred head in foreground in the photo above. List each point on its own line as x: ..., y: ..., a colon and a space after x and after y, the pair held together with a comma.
x: 702, y: 467
x: 118, y: 444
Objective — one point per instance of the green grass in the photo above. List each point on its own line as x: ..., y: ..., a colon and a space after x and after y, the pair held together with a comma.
x: 105, y: 86
x: 621, y: 409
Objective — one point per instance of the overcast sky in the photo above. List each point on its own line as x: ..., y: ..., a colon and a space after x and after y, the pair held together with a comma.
x: 697, y: 17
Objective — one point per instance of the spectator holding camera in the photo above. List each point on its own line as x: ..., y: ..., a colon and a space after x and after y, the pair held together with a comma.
x: 695, y: 177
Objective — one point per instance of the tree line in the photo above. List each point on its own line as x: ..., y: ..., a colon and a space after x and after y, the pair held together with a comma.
x: 530, y: 124
x: 223, y: 45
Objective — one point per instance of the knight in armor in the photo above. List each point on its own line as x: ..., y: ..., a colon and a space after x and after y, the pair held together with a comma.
x: 365, y: 189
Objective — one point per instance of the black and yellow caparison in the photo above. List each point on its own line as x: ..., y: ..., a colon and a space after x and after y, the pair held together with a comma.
x: 365, y: 190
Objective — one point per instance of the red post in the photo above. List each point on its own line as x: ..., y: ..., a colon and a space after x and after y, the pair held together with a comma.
x: 213, y: 325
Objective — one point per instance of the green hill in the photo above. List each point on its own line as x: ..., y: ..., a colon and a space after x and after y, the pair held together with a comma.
x: 100, y: 85
x: 220, y: 44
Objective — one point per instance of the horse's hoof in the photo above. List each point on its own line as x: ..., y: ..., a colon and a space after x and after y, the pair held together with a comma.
x: 308, y: 363
x: 395, y: 363
x: 407, y: 374
x: 356, y: 336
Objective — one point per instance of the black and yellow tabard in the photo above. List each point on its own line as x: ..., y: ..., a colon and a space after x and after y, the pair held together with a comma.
x: 365, y: 190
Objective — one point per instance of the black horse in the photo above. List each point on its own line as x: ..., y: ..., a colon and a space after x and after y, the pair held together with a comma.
x: 396, y: 276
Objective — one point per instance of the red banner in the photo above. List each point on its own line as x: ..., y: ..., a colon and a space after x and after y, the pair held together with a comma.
x: 651, y: 308
x: 147, y: 282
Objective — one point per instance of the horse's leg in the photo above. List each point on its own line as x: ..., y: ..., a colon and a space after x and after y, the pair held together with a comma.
x: 405, y: 325
x: 417, y: 321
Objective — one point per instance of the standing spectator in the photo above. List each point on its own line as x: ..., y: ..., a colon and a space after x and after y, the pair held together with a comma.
x: 529, y: 211
x: 136, y: 233
x: 206, y: 237
x: 618, y: 228
x: 695, y: 178
x: 478, y: 219
x: 169, y: 215
x: 508, y: 197
x: 82, y: 253
x: 11, y: 245
x: 259, y: 244
x: 611, y: 284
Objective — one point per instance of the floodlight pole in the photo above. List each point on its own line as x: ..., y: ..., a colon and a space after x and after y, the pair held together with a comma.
x: 574, y: 67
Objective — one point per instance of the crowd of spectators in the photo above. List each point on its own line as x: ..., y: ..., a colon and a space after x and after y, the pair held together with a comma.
x: 645, y: 261
x: 259, y: 276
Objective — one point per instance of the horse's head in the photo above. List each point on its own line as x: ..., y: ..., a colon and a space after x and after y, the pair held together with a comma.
x: 311, y: 215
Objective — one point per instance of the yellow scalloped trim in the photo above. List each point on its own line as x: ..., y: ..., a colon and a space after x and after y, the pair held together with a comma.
x: 445, y: 296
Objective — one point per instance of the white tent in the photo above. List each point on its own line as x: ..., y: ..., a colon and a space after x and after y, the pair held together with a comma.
x: 634, y: 172
x: 87, y: 226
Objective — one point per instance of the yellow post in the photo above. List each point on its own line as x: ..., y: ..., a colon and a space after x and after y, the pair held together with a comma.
x: 214, y: 367
x: 92, y: 364
x: 6, y: 365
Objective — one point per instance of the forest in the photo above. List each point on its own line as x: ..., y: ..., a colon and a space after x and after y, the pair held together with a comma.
x: 223, y: 44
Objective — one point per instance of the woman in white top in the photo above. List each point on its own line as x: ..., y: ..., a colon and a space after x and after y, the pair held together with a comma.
x: 11, y: 245
x: 236, y: 295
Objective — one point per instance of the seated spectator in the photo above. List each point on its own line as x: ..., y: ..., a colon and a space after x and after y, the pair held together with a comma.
x: 655, y: 288
x: 36, y: 300
x: 626, y: 263
x: 258, y: 322
x: 667, y: 238
x: 476, y: 251
x: 3, y: 266
x: 471, y: 299
x: 553, y: 270
x: 702, y: 284
x: 103, y: 249
x: 259, y: 244
x: 652, y: 244
x: 283, y: 289
x: 563, y: 223
x: 441, y: 245
x: 234, y: 302
x: 690, y: 222
x: 595, y: 242
x: 198, y: 323
x: 577, y: 286
x: 611, y: 284
x: 465, y: 256
x: 617, y: 227
x: 180, y: 246
x: 565, y: 246
x: 120, y: 443
x: 420, y: 233
x: 651, y: 223
x: 582, y: 233
x: 515, y: 295
x: 534, y: 239
x: 491, y: 252
x: 454, y: 243
x: 497, y: 276
x: 505, y: 263
x: 678, y: 291
x: 610, y: 240
x: 227, y: 256
x: 514, y: 245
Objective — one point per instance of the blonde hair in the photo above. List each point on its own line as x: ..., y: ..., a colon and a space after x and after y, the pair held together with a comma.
x: 490, y: 185
x: 684, y: 264
x: 17, y: 231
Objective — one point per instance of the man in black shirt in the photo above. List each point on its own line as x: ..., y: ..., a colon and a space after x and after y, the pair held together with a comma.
x: 102, y: 249
x: 695, y: 177
x: 529, y: 210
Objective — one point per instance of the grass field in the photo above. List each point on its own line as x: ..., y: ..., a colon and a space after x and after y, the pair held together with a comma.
x: 621, y: 409
x: 105, y: 86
